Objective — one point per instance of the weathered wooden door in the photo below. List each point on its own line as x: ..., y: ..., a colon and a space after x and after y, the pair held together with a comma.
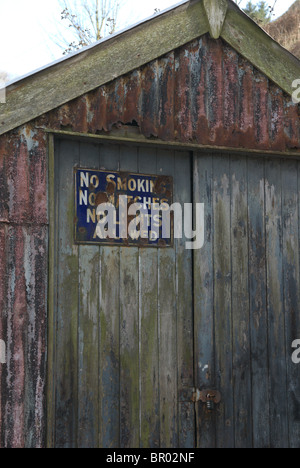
x: 135, y: 332
x: 121, y: 339
x: 247, y: 296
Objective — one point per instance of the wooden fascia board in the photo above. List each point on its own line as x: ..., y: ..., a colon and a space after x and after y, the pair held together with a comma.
x: 255, y: 45
x: 59, y: 84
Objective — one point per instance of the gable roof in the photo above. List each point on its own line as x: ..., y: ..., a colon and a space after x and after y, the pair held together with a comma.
x: 96, y: 65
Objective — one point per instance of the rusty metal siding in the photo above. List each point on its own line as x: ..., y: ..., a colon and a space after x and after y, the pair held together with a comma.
x: 23, y: 322
x: 202, y: 93
x: 23, y: 286
x: 23, y: 176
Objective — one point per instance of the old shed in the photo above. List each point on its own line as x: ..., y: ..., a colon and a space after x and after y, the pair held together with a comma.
x: 115, y: 345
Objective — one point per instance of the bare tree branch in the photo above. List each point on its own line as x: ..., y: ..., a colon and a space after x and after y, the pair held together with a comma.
x: 88, y: 21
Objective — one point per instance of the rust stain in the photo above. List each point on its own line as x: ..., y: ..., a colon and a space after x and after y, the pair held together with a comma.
x: 110, y: 188
x: 132, y: 90
x: 166, y: 97
x: 101, y: 197
x: 163, y: 186
x: 161, y: 243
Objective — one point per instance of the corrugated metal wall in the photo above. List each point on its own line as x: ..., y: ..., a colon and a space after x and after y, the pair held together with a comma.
x: 23, y: 285
x: 201, y: 93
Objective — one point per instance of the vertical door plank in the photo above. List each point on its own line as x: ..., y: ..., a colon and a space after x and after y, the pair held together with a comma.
x: 240, y: 304
x: 204, y: 302
x: 290, y: 218
x: 109, y: 344
x: 277, y: 374
x: 148, y: 295
x: 88, y: 327
x: 129, y: 338
x: 167, y: 328
x: 184, y: 292
x: 222, y: 300
x: 258, y: 303
x: 88, y: 410
x: 67, y: 303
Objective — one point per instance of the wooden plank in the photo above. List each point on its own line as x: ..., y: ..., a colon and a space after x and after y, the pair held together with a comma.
x: 138, y: 139
x: 88, y: 327
x: 184, y: 298
x: 276, y: 338
x: 67, y: 302
x: 129, y: 334
x: 290, y: 218
x: 88, y: 348
x: 240, y: 304
x: 109, y: 348
x: 148, y: 297
x: 109, y: 345
x: 167, y: 328
x: 222, y: 300
x: 204, y: 301
x: 258, y: 303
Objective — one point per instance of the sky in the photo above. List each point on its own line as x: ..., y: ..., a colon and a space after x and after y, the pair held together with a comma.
x: 29, y: 29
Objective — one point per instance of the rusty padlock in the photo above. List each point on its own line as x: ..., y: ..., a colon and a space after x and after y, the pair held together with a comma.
x: 211, y: 398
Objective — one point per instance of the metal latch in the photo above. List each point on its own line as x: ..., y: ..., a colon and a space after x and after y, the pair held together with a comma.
x: 209, y: 397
